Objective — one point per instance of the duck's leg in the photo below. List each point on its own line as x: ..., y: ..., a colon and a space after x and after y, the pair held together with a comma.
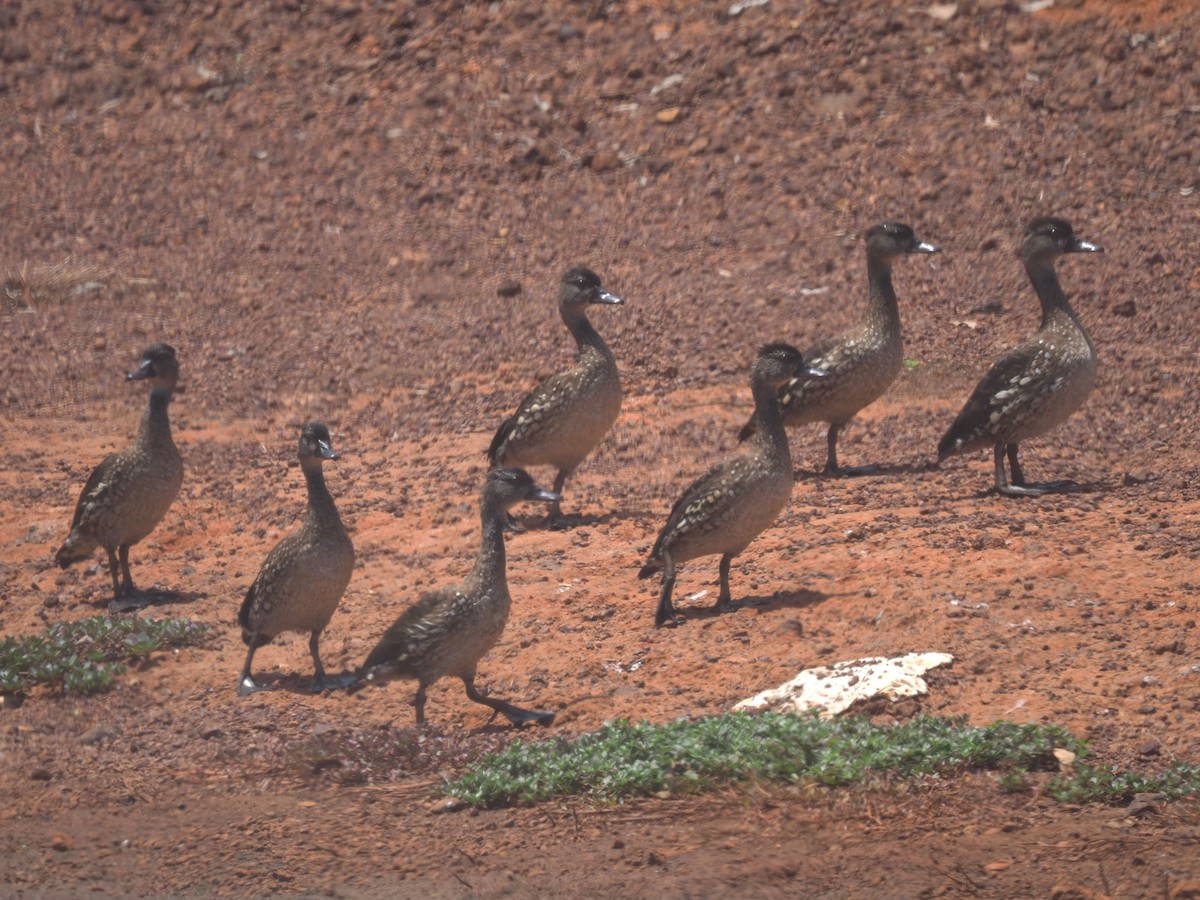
x: 724, y: 597
x: 556, y: 507
x: 322, y: 682
x: 128, y: 597
x: 831, y: 463
x: 514, y: 714
x: 419, y: 702
x: 1018, y: 487
x: 666, y: 610
x: 246, y: 684
x: 114, y: 570
x: 1018, y: 477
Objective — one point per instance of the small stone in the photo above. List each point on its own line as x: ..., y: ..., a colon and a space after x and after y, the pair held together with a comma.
x: 1132, y: 478
x: 988, y: 542
x: 668, y: 115
x: 96, y: 734
x: 61, y: 842
x: 450, y: 804
x: 1145, y: 803
x: 1126, y: 310
x: 508, y: 288
x: 1066, y: 759
x: 605, y: 160
x: 1150, y: 747
x: 40, y: 775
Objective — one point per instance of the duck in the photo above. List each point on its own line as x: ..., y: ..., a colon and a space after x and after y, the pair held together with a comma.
x: 304, y: 576
x: 130, y: 491
x: 1038, y: 384
x: 565, y: 417
x: 448, y: 631
x: 735, y: 501
x: 860, y: 363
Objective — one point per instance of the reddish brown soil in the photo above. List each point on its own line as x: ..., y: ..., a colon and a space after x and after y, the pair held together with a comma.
x: 318, y: 203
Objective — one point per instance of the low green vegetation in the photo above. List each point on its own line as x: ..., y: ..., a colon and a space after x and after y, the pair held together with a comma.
x: 627, y: 760
x: 1103, y: 784
x: 84, y: 657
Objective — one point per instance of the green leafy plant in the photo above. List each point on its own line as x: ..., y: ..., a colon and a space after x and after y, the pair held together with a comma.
x: 83, y: 657
x: 624, y: 759
x: 1103, y: 784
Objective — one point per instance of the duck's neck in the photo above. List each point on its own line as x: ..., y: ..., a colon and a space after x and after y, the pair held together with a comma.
x: 156, y: 425
x: 586, y: 337
x: 321, y: 507
x: 489, y: 564
x: 771, y: 436
x: 1055, y: 307
x: 882, y: 312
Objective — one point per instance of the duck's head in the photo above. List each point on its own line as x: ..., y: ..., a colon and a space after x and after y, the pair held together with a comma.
x: 315, y: 443
x: 581, y: 286
x: 891, y: 239
x: 159, y: 366
x: 1050, y: 236
x: 779, y: 363
x: 506, y: 487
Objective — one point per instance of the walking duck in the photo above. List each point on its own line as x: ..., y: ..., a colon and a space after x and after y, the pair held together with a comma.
x: 1038, y: 384
x: 565, y: 417
x: 447, y: 632
x: 859, y: 364
x: 127, y: 495
x: 723, y: 511
x: 304, y: 576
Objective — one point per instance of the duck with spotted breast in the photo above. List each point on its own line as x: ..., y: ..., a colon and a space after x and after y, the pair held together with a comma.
x: 861, y: 363
x: 1038, y: 384
x: 734, y: 502
x: 304, y: 576
x: 447, y: 632
x: 563, y: 419
x: 127, y: 495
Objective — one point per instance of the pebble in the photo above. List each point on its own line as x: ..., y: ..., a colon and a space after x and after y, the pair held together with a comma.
x: 96, y: 734
x: 450, y: 804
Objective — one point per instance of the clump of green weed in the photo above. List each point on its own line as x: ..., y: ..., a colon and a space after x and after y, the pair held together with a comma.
x: 1103, y: 784
x: 623, y: 759
x: 84, y: 657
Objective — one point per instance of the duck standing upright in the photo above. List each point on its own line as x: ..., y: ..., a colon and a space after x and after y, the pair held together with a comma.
x: 127, y: 495
x: 1038, y: 384
x: 563, y: 419
x: 447, y: 632
x: 303, y: 578
x: 861, y: 363
x: 734, y: 502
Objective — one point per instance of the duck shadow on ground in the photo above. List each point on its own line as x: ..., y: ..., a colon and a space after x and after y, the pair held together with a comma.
x: 800, y: 599
x: 570, y: 521
x: 870, y: 472
x: 301, y: 683
x: 1088, y: 487
x: 156, y: 597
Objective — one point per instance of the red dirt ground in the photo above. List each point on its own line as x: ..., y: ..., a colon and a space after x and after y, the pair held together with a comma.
x: 317, y: 204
